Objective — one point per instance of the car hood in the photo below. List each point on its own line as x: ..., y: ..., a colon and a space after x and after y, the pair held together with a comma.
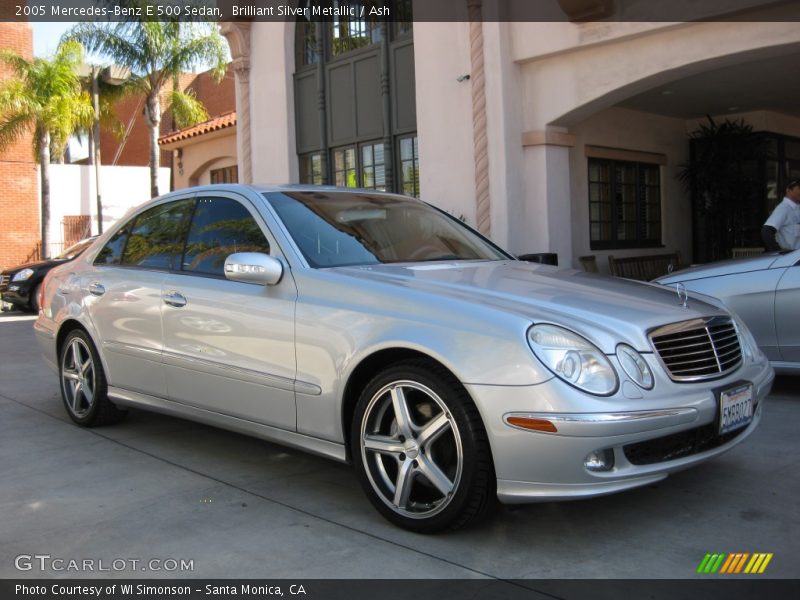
x: 49, y: 264
x: 605, y: 309
x: 723, y: 267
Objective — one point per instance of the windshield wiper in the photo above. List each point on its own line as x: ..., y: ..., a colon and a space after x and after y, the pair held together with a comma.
x: 444, y: 257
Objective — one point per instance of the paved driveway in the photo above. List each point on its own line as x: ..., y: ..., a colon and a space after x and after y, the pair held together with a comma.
x: 160, y: 488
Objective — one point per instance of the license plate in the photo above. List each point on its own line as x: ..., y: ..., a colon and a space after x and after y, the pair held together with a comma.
x: 735, y: 408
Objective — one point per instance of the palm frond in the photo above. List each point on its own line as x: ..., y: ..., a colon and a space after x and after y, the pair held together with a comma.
x: 48, y: 97
x: 198, y: 44
x: 156, y: 53
x: 14, y: 128
x: 110, y: 96
x: 111, y: 41
x: 16, y: 97
x: 17, y: 63
x: 186, y: 108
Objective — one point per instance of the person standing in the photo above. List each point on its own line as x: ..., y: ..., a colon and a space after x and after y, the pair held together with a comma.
x: 782, y: 230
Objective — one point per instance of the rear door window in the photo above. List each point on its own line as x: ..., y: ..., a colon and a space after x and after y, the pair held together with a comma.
x: 111, y: 254
x: 157, y: 237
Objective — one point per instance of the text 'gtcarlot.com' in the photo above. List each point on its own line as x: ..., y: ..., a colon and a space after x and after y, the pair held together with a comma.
x: 46, y: 562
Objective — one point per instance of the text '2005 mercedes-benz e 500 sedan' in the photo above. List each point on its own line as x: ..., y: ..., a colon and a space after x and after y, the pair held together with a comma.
x: 377, y: 329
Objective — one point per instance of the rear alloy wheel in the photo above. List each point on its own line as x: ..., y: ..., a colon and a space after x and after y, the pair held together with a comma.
x: 83, y: 383
x: 421, y: 450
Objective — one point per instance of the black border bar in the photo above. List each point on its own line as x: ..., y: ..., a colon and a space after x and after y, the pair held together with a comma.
x: 576, y: 11
x: 716, y: 588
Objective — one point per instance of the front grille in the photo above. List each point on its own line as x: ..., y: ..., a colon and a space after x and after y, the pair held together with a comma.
x: 678, y: 445
x: 698, y: 349
x: 4, y: 278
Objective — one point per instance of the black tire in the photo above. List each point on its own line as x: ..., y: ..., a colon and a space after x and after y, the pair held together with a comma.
x: 84, y: 388
x: 34, y: 301
x: 439, y: 474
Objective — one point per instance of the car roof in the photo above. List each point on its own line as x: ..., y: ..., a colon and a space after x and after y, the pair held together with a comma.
x: 288, y: 187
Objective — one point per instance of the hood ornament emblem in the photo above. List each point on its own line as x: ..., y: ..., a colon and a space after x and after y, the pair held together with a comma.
x: 683, y: 295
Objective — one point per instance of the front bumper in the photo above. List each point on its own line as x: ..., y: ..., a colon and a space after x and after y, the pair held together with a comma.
x: 17, y: 294
x: 533, y: 466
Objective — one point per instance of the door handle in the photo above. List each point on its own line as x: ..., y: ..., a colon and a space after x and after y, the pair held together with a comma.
x: 96, y: 289
x: 173, y: 298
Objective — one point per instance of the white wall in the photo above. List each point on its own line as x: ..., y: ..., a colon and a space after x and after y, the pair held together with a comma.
x: 444, y: 117
x: 504, y: 123
x: 567, y: 86
x: 272, y: 103
x: 72, y: 192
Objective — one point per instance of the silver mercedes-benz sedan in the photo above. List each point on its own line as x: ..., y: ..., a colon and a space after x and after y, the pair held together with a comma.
x: 376, y: 329
x: 764, y: 291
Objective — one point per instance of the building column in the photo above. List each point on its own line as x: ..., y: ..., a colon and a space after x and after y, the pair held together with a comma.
x: 483, y: 203
x: 238, y: 35
x: 386, y: 109
x: 546, y: 222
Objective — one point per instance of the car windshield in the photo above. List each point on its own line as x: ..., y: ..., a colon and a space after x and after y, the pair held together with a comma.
x: 337, y: 229
x: 75, y: 249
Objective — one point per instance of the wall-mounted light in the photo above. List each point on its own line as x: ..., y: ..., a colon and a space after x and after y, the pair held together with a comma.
x: 178, y: 154
x: 463, y: 78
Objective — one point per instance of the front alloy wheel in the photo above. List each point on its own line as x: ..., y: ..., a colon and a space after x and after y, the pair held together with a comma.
x: 421, y: 449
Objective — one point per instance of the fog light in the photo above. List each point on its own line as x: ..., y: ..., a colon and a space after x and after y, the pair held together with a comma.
x: 600, y: 460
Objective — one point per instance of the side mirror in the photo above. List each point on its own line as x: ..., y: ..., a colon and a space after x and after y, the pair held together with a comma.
x: 253, y: 267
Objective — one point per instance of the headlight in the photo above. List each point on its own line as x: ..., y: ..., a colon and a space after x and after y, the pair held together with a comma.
x: 635, y: 366
x: 573, y: 358
x: 23, y: 275
x: 750, y: 347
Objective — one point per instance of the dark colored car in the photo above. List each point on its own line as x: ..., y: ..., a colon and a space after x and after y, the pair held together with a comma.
x: 19, y: 286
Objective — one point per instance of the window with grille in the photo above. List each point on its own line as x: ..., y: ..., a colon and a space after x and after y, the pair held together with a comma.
x: 409, y: 166
x: 344, y: 167
x: 350, y: 33
x: 311, y: 168
x: 373, y: 167
x: 624, y: 204
x: 225, y: 175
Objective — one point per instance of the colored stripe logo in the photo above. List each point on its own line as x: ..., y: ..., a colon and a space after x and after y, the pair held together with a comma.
x: 735, y: 563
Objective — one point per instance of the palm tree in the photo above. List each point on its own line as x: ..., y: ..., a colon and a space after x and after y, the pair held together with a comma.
x: 723, y: 180
x: 157, y: 53
x: 45, y: 96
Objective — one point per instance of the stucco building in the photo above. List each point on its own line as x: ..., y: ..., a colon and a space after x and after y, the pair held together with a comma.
x: 563, y: 137
x: 204, y: 153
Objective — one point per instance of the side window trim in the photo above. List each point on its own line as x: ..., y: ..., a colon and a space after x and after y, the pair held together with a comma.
x: 275, y: 247
x: 131, y: 223
x: 189, y: 224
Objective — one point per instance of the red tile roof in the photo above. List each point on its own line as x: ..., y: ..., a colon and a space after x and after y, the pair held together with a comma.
x: 221, y: 122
